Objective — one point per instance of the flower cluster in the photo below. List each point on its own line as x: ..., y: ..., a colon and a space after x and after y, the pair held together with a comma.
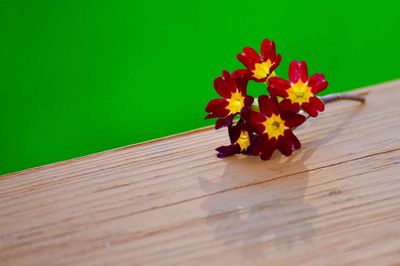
x: 267, y: 124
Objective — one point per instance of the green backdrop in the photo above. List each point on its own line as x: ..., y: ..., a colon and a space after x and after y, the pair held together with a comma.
x: 78, y: 77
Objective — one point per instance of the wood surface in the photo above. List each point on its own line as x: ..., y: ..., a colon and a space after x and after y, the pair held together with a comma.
x: 172, y: 202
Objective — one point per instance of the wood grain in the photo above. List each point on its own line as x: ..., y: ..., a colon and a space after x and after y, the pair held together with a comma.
x: 172, y: 202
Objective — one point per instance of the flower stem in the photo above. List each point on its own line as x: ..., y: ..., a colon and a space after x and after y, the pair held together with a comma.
x: 327, y: 99
x: 337, y: 97
x: 343, y: 96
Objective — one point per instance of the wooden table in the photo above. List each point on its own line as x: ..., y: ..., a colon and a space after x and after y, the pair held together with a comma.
x: 172, y: 202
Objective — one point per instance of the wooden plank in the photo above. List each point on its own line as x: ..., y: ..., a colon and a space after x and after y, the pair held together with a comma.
x: 172, y: 202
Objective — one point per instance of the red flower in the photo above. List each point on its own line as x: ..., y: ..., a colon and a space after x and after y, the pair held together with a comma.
x: 300, y: 90
x: 273, y: 127
x: 260, y: 67
x: 241, y: 141
x: 232, y: 89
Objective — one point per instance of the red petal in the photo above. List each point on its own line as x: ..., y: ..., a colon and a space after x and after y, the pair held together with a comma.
x: 294, y: 120
x: 240, y: 79
x: 216, y: 104
x: 249, y: 57
x: 256, y: 150
x: 278, y: 86
x: 317, y: 104
x: 274, y: 105
x: 303, y: 72
x: 230, y: 83
x: 289, y: 143
x: 309, y: 109
x: 252, y: 116
x: 248, y: 101
x: 224, y: 151
x: 267, y: 149
x: 295, y: 141
x: 220, y: 123
x: 285, y: 147
x: 276, y: 63
x: 227, y: 121
x: 241, y: 73
x: 286, y: 105
x: 267, y: 48
x: 258, y: 128
x: 318, y: 83
x: 294, y: 71
x: 222, y: 87
x: 250, y: 52
x: 257, y: 146
x: 291, y: 138
x: 272, y: 52
x: 268, y: 105
x: 316, y: 78
x: 265, y: 106
x: 218, y: 113
x: 234, y: 133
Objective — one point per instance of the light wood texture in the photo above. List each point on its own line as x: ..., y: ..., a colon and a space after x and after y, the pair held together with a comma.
x: 172, y: 202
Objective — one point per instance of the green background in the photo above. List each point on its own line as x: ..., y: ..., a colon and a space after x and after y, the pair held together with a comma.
x: 78, y: 77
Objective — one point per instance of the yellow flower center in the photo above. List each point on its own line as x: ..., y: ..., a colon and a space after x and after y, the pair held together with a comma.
x: 243, y: 140
x: 274, y: 126
x: 299, y: 93
x: 236, y: 102
x: 262, y: 70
